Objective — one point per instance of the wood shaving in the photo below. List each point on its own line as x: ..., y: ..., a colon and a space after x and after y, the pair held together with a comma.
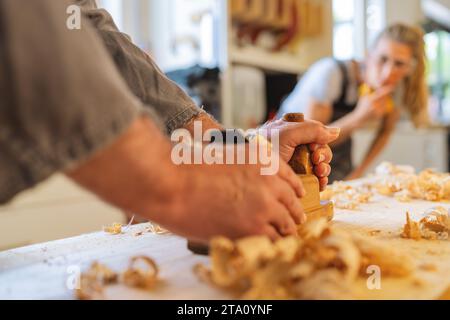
x: 428, y: 267
x: 154, y: 229
x: 143, y: 278
x: 93, y: 281
x: 98, y: 276
x: 411, y: 230
x: 157, y: 229
x: 434, y: 226
x: 115, y: 229
x: 347, y: 197
x: 323, y: 262
x: 437, y: 220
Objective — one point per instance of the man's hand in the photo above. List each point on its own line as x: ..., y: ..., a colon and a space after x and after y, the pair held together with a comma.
x: 237, y: 201
x: 136, y: 174
x: 311, y: 133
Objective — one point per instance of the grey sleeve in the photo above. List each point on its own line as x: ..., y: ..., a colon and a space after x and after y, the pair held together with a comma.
x: 141, y: 73
x: 62, y: 98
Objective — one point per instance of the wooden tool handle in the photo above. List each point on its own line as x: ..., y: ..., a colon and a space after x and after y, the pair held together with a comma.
x: 301, y: 160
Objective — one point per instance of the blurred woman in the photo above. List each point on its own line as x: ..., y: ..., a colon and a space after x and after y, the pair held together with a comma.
x: 350, y: 94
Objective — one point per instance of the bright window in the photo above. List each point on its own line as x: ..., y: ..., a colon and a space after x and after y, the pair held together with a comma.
x: 344, y: 29
x: 438, y: 52
x: 177, y: 33
x: 192, y: 27
x: 356, y: 24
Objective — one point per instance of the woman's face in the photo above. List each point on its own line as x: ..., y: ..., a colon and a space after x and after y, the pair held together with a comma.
x: 388, y: 64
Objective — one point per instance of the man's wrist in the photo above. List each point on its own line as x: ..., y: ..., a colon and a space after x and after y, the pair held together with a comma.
x: 208, y: 122
x: 173, y: 202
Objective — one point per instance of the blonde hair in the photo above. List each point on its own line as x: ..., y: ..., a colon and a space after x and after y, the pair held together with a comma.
x: 416, y: 88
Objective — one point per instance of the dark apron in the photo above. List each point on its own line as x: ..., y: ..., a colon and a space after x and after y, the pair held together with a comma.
x: 342, y: 164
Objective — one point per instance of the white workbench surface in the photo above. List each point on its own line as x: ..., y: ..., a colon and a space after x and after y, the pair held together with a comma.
x: 41, y: 271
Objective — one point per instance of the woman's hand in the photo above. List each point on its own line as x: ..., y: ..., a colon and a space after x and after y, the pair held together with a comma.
x: 373, y: 106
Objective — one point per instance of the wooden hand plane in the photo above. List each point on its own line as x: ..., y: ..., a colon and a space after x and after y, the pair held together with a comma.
x: 302, y: 165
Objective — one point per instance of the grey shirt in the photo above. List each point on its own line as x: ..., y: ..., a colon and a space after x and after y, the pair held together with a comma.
x: 140, y: 72
x: 61, y: 96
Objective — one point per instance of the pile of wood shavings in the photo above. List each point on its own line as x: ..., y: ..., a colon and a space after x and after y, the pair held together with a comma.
x: 154, y: 229
x: 322, y: 263
x: 118, y: 228
x: 405, y: 185
x: 434, y: 226
x: 98, y: 276
x: 348, y: 197
x: 399, y: 182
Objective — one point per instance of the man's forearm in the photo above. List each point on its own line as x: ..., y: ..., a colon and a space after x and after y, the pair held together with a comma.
x: 136, y: 174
